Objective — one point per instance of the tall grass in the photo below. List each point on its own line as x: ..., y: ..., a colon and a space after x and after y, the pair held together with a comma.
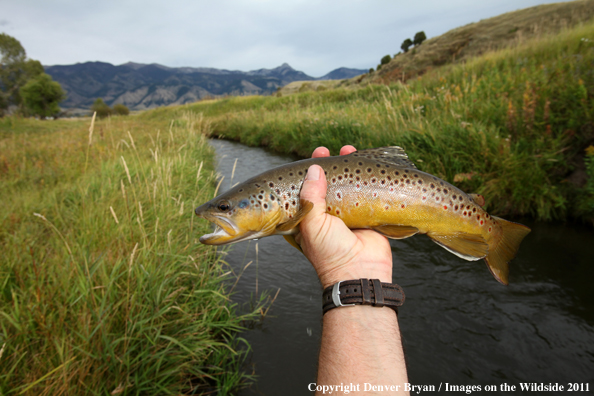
x: 103, y: 286
x: 512, y: 125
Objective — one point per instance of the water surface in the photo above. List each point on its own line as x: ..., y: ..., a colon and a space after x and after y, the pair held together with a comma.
x: 458, y: 324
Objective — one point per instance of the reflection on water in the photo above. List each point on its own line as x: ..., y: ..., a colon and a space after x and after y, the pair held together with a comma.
x: 458, y: 324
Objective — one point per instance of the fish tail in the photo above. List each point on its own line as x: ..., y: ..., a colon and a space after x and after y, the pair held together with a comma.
x: 505, y: 248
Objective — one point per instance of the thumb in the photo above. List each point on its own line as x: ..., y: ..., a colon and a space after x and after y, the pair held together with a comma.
x: 314, y: 190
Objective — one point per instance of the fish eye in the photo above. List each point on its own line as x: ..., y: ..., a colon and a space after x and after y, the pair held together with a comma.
x: 243, y: 203
x: 224, y: 206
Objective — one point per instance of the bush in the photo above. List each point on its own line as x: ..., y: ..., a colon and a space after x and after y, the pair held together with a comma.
x: 101, y: 108
x: 386, y: 59
x: 121, y: 109
x: 419, y: 38
x: 41, y: 96
x: 406, y: 44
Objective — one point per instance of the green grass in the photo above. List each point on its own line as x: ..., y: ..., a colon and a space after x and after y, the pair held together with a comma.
x: 104, y: 288
x: 511, y: 125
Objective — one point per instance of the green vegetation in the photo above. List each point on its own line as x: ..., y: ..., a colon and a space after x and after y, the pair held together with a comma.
x: 472, y: 40
x: 104, y: 288
x: 41, y: 96
x: 101, y: 108
x: 511, y: 125
x: 406, y: 44
x: 120, y: 109
x: 419, y: 38
x: 15, y: 71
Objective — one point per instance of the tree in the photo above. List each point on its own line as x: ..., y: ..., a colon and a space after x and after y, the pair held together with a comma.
x: 15, y: 71
x: 386, y: 59
x: 419, y: 38
x: 121, y: 109
x: 406, y: 44
x: 41, y: 96
x: 101, y: 108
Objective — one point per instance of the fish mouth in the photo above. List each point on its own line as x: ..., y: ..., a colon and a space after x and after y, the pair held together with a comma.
x: 225, y: 231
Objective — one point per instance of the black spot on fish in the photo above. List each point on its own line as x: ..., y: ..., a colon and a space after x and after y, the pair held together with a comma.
x: 432, y: 185
x: 260, y: 197
x: 271, y: 197
x: 290, y: 173
x: 346, y: 160
x: 265, y: 206
x: 286, y: 206
x: 294, y: 203
x: 292, y: 187
x: 369, y: 170
x: 383, y: 172
x: 300, y: 173
x: 378, y: 165
x: 280, y: 178
x: 397, y: 173
x: 271, y: 184
x: 358, y: 171
x: 406, y: 170
x: 420, y: 181
x: 360, y: 163
x: 335, y: 167
x: 346, y: 170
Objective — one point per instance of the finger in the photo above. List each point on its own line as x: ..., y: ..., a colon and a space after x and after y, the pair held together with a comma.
x: 320, y: 152
x: 348, y: 149
x: 314, y: 190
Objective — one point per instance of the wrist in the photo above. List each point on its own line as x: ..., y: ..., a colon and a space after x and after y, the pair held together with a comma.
x: 383, y: 272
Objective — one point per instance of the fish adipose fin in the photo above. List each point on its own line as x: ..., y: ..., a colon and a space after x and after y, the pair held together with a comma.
x: 396, y: 231
x: 292, y: 242
x: 478, y: 199
x: 392, y: 155
x: 505, y: 249
x: 305, y: 207
x: 470, y: 247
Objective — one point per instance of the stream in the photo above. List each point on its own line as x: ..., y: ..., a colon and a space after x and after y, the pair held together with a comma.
x: 459, y: 326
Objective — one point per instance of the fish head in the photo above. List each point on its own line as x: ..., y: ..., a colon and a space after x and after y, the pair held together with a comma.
x: 240, y: 214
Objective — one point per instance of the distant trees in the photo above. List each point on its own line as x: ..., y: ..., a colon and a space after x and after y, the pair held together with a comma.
x: 419, y: 38
x: 121, y: 109
x: 100, y: 108
x: 406, y: 44
x: 103, y: 110
x: 15, y: 71
x: 385, y: 60
x: 41, y: 96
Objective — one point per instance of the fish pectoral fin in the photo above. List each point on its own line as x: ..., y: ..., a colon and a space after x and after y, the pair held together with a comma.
x: 478, y: 199
x: 470, y: 247
x: 305, y: 207
x: 292, y: 242
x: 396, y: 231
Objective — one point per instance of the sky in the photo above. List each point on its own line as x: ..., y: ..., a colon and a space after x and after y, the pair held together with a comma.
x: 315, y: 37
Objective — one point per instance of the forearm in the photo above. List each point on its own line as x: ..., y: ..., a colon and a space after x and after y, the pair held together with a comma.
x: 362, y: 345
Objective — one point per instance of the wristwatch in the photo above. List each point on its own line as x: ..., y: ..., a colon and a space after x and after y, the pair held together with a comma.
x: 362, y: 292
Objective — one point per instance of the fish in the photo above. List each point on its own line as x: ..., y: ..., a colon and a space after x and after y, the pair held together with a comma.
x: 379, y: 189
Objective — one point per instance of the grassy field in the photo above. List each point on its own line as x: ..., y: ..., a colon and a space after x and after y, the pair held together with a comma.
x: 104, y: 288
x: 513, y: 125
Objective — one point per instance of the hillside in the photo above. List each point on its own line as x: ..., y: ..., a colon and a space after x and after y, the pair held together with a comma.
x: 463, y: 43
x: 141, y: 86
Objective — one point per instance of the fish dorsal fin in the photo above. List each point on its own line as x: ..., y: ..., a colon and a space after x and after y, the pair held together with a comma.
x: 396, y: 231
x: 478, y: 199
x: 305, y: 207
x: 470, y: 247
x: 393, y: 155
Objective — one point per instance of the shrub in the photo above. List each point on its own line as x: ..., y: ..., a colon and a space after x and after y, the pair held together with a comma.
x: 121, y: 109
x: 101, y: 108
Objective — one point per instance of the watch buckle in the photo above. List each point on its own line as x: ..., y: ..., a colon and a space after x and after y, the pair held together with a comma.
x: 336, y: 296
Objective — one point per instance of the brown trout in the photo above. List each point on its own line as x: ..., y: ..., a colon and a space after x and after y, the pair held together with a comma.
x: 379, y: 189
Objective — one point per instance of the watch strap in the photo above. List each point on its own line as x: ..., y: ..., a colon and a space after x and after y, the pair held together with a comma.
x: 362, y: 292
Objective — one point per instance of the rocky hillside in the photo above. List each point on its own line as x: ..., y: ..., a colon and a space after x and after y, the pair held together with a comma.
x: 141, y: 86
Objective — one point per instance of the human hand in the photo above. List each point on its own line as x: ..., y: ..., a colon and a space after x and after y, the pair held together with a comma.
x: 336, y: 252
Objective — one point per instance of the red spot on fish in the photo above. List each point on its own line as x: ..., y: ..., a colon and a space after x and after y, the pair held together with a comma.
x: 402, y: 206
x: 445, y: 207
x: 424, y: 198
x: 357, y: 204
x: 329, y: 209
x: 481, y: 222
x: 464, y: 214
x: 489, y: 229
x: 337, y: 211
x: 387, y: 207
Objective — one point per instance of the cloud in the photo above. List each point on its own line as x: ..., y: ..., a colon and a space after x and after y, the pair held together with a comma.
x: 312, y: 36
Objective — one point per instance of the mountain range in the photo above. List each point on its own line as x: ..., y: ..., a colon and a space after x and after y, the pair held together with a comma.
x: 141, y: 86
